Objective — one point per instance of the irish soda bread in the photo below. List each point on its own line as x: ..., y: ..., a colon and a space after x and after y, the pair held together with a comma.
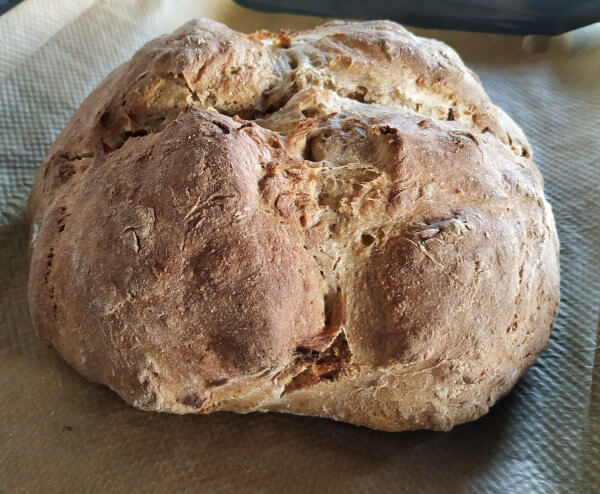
x: 334, y: 222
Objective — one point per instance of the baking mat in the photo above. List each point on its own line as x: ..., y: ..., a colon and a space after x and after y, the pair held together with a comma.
x: 59, y: 433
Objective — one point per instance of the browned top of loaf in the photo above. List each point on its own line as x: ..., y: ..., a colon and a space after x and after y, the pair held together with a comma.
x: 224, y: 208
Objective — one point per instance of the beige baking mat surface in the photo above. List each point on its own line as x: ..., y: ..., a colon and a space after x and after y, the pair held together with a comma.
x: 59, y: 433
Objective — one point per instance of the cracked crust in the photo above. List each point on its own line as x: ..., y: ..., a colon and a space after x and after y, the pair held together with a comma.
x: 335, y: 222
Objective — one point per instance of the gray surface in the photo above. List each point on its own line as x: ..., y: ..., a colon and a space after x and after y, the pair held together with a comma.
x: 61, y: 433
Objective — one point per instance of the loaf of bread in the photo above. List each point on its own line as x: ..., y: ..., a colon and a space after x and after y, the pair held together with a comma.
x: 336, y: 222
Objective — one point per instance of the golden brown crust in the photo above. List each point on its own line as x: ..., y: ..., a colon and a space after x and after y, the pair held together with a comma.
x: 335, y: 222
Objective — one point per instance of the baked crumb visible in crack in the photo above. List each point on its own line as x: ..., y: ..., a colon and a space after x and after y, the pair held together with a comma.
x: 326, y: 366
